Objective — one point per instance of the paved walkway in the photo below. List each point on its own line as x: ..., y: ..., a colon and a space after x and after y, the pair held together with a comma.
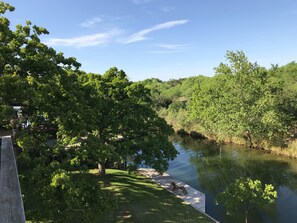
x: 194, y: 197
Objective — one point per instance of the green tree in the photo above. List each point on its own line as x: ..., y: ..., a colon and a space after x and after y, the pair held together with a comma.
x: 243, y: 194
x: 243, y: 100
x: 82, y: 200
x: 54, y: 106
x: 171, y: 99
x: 70, y: 119
x: 30, y: 72
x: 288, y: 75
x: 126, y: 124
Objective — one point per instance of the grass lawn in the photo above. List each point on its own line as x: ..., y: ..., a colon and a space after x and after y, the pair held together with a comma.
x: 141, y: 200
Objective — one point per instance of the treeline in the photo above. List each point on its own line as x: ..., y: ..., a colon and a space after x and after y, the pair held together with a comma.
x: 242, y: 102
x: 66, y: 121
x: 171, y: 99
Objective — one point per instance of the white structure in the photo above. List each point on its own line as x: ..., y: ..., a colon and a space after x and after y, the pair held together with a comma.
x: 194, y: 197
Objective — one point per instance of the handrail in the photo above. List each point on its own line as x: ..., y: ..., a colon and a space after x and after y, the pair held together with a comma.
x: 11, y: 202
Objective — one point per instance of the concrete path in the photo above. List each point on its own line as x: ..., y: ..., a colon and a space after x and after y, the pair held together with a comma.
x: 11, y: 202
x: 194, y: 197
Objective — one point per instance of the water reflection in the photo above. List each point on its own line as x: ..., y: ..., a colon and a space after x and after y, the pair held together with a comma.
x: 210, y: 167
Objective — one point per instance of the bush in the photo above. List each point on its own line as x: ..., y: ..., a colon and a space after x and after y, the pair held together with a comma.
x: 182, y: 132
x: 197, y: 135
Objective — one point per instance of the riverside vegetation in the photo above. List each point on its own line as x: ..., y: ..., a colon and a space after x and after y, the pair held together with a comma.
x: 242, y: 103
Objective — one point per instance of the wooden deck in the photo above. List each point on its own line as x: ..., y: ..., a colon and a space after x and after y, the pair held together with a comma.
x: 11, y: 202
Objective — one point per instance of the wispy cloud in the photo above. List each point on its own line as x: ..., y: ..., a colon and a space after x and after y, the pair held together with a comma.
x: 141, y: 35
x: 139, y: 2
x: 170, y: 48
x: 164, y: 51
x: 86, y: 40
x: 174, y: 46
x: 91, y: 22
x: 168, y: 9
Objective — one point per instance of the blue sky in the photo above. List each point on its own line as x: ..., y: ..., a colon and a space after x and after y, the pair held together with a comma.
x: 166, y: 39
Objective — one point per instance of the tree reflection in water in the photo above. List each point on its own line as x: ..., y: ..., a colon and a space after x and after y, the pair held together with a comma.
x: 210, y: 168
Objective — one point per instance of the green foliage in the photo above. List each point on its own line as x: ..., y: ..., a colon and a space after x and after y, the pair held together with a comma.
x: 93, y: 150
x: 171, y: 99
x: 61, y: 179
x: 68, y: 120
x: 125, y: 120
x: 288, y: 75
x: 244, y: 194
x: 74, y: 197
x: 80, y: 198
x: 242, y: 99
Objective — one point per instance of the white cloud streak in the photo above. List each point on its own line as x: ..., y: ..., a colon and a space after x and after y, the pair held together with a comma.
x: 164, y: 51
x: 174, y: 46
x: 168, y: 9
x: 141, y: 35
x: 91, y: 22
x: 86, y: 40
x: 139, y: 2
x: 170, y: 48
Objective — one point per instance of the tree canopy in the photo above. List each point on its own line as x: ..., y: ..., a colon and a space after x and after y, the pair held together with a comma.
x: 242, y: 102
x: 66, y: 120
x: 243, y: 99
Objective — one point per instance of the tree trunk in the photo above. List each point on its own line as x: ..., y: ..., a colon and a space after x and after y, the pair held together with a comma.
x: 101, y: 168
x: 249, y: 137
x: 246, y: 215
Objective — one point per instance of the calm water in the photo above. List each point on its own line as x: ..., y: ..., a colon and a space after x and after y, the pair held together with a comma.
x: 210, y: 168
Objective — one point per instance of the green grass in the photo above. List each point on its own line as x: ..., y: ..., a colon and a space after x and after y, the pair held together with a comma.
x: 141, y: 200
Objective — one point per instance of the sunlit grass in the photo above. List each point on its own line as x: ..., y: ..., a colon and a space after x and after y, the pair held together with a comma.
x: 290, y: 151
x: 138, y: 199
x: 141, y: 200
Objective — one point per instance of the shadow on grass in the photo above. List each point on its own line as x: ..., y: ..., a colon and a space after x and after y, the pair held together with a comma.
x: 138, y: 200
x: 141, y: 200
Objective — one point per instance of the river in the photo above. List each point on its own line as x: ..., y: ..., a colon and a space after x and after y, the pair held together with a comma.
x: 210, y: 168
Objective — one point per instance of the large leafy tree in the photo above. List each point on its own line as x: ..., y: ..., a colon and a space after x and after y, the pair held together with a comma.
x: 30, y: 71
x: 243, y: 100
x: 126, y: 126
x: 41, y: 84
x: 54, y: 95
x: 288, y: 99
x: 68, y: 118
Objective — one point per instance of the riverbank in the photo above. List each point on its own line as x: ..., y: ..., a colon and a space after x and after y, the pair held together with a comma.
x: 196, y: 132
x: 183, y: 191
x: 188, y: 128
x: 191, y: 196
